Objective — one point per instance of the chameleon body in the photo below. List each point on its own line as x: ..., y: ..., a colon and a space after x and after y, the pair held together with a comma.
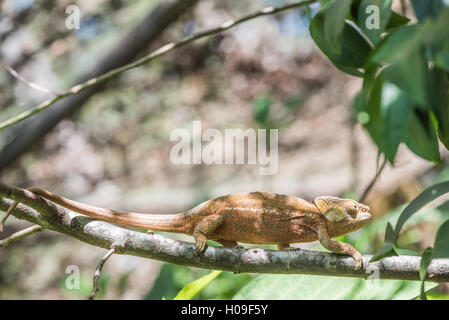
x: 255, y: 217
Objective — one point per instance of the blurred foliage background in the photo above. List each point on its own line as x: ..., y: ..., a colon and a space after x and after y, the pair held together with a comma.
x: 114, y: 152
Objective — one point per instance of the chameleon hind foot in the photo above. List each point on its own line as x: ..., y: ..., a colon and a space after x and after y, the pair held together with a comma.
x: 230, y: 244
x: 286, y: 247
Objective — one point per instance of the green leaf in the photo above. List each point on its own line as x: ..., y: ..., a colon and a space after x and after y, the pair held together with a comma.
x: 421, y: 137
x: 368, y: 101
x: 397, y: 110
x: 440, y: 250
x: 442, y: 57
x: 261, y: 108
x: 369, y: 16
x: 389, y: 234
x: 387, y: 250
x: 438, y: 87
x: 396, y: 21
x: 425, y: 261
x: 334, y: 21
x: 307, y: 287
x: 428, y: 8
x: 354, y: 51
x: 441, y: 247
x: 402, y: 52
x: 429, y: 194
x: 195, y: 287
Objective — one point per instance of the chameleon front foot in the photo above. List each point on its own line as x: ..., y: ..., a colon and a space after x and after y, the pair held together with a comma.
x: 358, y: 258
x: 200, y: 243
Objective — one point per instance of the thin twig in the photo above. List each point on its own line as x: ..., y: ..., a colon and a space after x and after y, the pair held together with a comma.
x: 159, y: 52
x: 19, y: 235
x: 98, y: 272
x: 373, y: 181
x: 8, y: 213
x: 30, y: 84
x: 103, y: 234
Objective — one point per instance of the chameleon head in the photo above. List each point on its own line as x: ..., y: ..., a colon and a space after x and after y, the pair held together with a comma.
x: 343, y: 215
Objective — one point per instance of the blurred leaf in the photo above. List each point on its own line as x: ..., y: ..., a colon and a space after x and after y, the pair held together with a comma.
x: 425, y: 261
x: 308, y: 287
x: 294, y: 101
x: 355, y: 49
x: 384, y: 7
x: 442, y: 57
x: 335, y: 13
x: 225, y: 286
x: 428, y: 8
x: 402, y: 52
x: 432, y: 295
x: 170, y: 280
x: 261, y: 108
x: 421, y: 137
x: 438, y: 87
x: 193, y: 288
x: 397, y: 21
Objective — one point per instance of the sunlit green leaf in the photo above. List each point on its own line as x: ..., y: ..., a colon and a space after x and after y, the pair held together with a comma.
x: 308, y: 287
x: 195, y: 287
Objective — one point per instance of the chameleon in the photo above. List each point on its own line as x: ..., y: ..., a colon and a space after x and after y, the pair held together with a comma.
x: 252, y: 217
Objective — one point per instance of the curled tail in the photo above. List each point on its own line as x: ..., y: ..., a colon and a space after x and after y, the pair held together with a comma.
x: 163, y: 222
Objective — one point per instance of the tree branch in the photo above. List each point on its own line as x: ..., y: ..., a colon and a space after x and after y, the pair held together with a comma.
x: 97, y: 273
x: 154, y: 246
x: 19, y: 235
x: 155, y: 54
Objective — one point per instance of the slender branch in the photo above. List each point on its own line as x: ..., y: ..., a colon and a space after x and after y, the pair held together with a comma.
x: 155, y: 54
x: 29, y: 83
x: 19, y: 235
x: 8, y: 213
x: 373, y: 181
x: 98, y: 272
x: 154, y: 246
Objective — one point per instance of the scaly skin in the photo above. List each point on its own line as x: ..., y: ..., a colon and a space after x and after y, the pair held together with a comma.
x: 256, y: 217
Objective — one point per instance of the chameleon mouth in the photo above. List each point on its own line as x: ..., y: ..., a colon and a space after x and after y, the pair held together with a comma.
x: 364, y: 215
